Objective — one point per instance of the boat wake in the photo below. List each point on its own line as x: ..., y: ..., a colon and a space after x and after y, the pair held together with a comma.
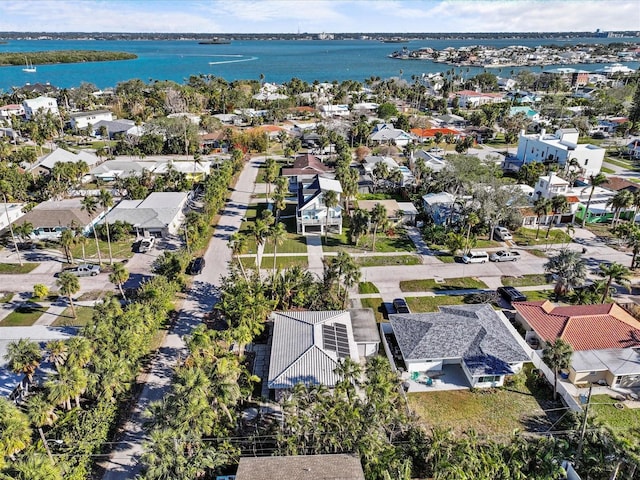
x: 236, y: 59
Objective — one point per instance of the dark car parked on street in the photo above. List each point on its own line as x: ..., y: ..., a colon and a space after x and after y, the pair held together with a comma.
x: 511, y: 294
x: 196, y: 266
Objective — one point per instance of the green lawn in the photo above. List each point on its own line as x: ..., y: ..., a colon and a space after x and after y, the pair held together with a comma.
x: 282, y: 262
x: 84, y: 314
x: 293, y: 243
x: 600, y: 229
x: 23, y: 316
x: 367, y: 287
x: 119, y: 249
x: 528, y: 280
x: 6, y: 297
x: 425, y: 285
x: 527, y: 236
x: 430, y: 304
x: 538, y: 253
x: 535, y: 295
x: 376, y: 305
x: 384, y: 243
x: 492, y: 412
x: 382, y: 261
x: 624, y: 423
x: 91, y: 295
x: 16, y: 268
x: 446, y: 258
x: 607, y: 170
x: 620, y: 163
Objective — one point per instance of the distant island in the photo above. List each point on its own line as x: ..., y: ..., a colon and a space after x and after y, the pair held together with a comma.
x: 62, y: 56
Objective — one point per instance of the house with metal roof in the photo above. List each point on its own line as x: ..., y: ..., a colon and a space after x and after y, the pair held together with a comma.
x: 160, y: 214
x: 311, y: 213
x: 336, y: 466
x: 60, y: 155
x: 476, y: 338
x: 307, y: 347
x: 605, y: 339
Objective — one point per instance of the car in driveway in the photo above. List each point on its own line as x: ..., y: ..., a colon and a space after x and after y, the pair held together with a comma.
x: 400, y: 304
x: 196, y: 266
x: 502, y: 233
x: 504, y: 256
x: 86, y: 270
x: 511, y: 294
x: 146, y: 244
x: 475, y: 257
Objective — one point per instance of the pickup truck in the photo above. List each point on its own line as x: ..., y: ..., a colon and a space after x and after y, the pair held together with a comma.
x: 84, y: 270
x: 504, y: 256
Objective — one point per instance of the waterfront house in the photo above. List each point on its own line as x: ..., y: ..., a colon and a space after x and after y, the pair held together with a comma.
x: 50, y: 218
x: 605, y: 339
x: 40, y: 104
x: 474, y: 338
x: 82, y: 120
x: 160, y: 214
x: 560, y: 148
x: 312, y: 215
x: 473, y: 99
x: 7, y: 111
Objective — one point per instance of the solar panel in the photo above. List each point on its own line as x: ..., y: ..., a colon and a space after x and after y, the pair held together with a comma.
x: 335, y: 338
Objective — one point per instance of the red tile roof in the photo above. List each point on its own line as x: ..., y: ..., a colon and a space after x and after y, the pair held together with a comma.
x: 431, y: 132
x: 584, y: 327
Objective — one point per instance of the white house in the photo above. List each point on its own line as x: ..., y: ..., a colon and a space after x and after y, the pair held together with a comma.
x: 473, y: 99
x: 312, y: 213
x: 334, y: 110
x: 45, y: 104
x: 549, y: 186
x: 9, y: 213
x: 475, y: 338
x: 160, y: 214
x: 7, y: 111
x: 387, y: 133
x: 81, y: 120
x: 560, y: 147
x: 60, y: 155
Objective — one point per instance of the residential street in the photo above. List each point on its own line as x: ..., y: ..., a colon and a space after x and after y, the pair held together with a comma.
x: 124, y: 461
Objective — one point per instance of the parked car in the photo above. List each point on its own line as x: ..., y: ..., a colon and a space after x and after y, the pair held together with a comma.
x: 511, y: 294
x: 146, y: 244
x: 401, y: 306
x: 504, y: 256
x: 86, y: 270
x: 436, y: 151
x: 196, y: 266
x: 388, y: 309
x: 502, y: 233
x: 475, y: 257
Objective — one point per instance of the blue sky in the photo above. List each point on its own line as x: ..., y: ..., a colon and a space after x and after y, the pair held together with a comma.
x: 315, y: 16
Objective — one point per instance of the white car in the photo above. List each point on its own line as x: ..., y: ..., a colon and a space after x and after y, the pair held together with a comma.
x: 146, y: 244
x: 475, y: 257
x: 503, y: 234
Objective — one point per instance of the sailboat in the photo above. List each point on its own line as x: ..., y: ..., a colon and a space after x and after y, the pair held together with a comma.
x: 29, y: 68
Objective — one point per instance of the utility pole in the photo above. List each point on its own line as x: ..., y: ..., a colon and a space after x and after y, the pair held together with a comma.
x: 583, y: 429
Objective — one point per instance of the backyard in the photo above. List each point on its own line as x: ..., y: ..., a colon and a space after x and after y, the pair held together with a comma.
x: 624, y: 423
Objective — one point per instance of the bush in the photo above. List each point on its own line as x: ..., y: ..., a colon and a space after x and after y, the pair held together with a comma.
x: 40, y: 290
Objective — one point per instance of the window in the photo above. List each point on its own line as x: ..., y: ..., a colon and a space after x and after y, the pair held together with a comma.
x: 489, y: 379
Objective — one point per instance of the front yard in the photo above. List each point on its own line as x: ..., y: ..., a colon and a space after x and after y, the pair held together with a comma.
x: 430, y: 304
x: 65, y: 319
x: 386, y: 260
x: 24, y: 316
x: 425, y: 285
x: 120, y: 249
x: 527, y: 236
x: 527, y: 280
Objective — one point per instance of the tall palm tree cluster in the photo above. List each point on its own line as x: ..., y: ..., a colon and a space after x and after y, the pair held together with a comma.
x: 73, y: 411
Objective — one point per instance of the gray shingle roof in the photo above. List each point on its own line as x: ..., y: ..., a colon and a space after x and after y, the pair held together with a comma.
x: 301, y: 467
x: 474, y: 333
x: 297, y: 351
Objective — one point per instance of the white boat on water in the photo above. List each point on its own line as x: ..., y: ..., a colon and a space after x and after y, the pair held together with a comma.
x: 29, y: 68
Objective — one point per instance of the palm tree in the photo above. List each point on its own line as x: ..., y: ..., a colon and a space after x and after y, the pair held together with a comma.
x: 66, y: 241
x: 270, y: 173
x: 541, y: 208
x: 557, y: 356
x: 278, y: 234
x: 90, y: 205
x: 15, y: 434
x: 614, y: 271
x: 259, y: 230
x: 472, y: 221
x: 559, y: 204
x: 80, y: 352
x: 105, y: 200
x: 595, y: 181
x: 238, y: 245
x: 69, y: 285
x: 5, y: 188
x: 58, y: 352
x: 24, y: 231
x: 331, y: 200
x: 24, y: 356
x: 34, y: 465
x: 378, y: 220
x: 41, y: 413
x: 61, y: 388
x: 119, y: 276
x: 570, y: 270
x: 620, y: 201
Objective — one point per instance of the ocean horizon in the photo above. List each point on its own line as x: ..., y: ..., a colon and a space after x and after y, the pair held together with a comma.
x: 277, y: 60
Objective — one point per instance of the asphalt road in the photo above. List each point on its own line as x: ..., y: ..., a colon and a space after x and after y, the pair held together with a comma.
x: 124, y: 460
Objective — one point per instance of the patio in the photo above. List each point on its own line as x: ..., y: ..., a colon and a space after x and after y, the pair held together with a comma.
x: 451, y: 377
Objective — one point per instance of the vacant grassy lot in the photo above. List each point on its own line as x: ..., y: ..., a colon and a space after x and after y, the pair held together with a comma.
x: 528, y: 280
x: 293, y: 243
x: 376, y: 305
x: 462, y: 283
x: 16, y: 268
x: 490, y: 412
x: 23, y: 316
x: 430, y: 304
x: 602, y: 230
x: 382, y: 261
x: 84, y: 314
x: 624, y: 423
x: 367, y: 287
x: 527, y: 236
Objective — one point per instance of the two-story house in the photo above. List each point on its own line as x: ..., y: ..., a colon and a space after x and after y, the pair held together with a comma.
x: 45, y: 104
x: 82, y: 120
x: 312, y: 214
